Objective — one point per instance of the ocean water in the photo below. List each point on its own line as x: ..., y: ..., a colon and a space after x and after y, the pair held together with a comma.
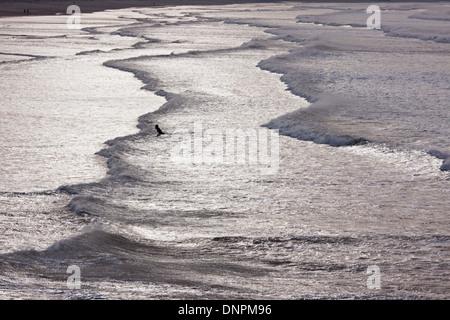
x: 349, y: 172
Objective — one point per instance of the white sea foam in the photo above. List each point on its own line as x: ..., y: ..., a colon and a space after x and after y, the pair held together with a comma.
x: 394, y: 91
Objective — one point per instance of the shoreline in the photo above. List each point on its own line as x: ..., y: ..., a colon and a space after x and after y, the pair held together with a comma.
x: 9, y: 8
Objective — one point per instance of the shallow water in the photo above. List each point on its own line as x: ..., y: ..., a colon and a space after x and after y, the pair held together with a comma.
x: 157, y: 226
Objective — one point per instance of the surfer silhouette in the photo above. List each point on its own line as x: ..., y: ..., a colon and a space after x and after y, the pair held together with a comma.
x: 160, y: 132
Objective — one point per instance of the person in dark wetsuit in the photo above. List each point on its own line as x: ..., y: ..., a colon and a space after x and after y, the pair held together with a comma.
x: 159, y: 130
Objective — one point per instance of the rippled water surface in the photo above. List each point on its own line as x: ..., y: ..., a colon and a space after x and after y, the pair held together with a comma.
x: 87, y: 182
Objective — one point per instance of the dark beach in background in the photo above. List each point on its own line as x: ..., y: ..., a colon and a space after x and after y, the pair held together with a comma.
x: 49, y: 7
